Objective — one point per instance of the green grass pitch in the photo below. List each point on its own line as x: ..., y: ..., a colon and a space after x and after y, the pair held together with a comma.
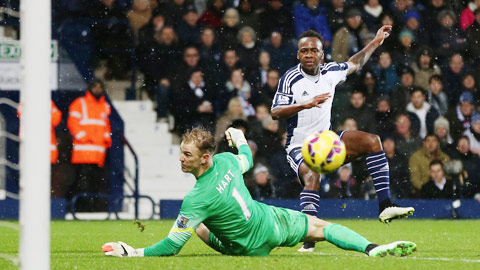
x: 442, y: 244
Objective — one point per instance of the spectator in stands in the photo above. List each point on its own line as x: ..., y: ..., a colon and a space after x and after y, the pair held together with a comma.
x: 399, y: 8
x: 276, y: 18
x: 234, y: 112
x: 420, y: 160
x: 283, y: 54
x: 473, y: 134
x: 460, y: 116
x: 212, y: 17
x: 248, y: 49
x: 361, y: 112
x: 229, y: 63
x: 423, y: 110
x: 438, y: 187
x: 421, y: 35
x: 469, y: 84
x: 157, y: 54
x: 400, y: 185
x: 452, y: 77
x: 189, y: 28
x: 470, y: 176
x: 343, y: 185
x: 148, y: 33
x: 368, y: 86
x: 387, y: 18
x: 248, y: 15
x: 404, y: 55
x: 175, y: 10
x: 467, y: 17
x: 436, y: 96
x: 433, y: 8
x: 385, y: 73
x: 236, y: 86
x: 88, y: 122
x: 472, y: 33
x: 406, y: 138
x: 400, y: 95
x: 176, y: 81
x: 270, y: 140
x: 200, y: 5
x: 112, y: 36
x: 442, y: 130
x: 424, y: 67
x: 347, y: 41
x: 192, y: 104
x: 448, y: 37
x: 210, y: 53
x: 263, y: 188
x: 258, y: 77
x: 371, y: 11
x: 139, y: 15
x: 262, y: 111
x: 384, y: 118
x: 287, y: 184
x: 309, y: 15
x: 191, y: 60
x: 265, y: 94
x: 336, y: 15
x: 229, y: 29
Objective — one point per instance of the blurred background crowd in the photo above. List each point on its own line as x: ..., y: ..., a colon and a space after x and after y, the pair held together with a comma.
x: 217, y: 63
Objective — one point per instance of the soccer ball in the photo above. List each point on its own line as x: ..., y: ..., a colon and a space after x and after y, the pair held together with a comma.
x: 323, y: 152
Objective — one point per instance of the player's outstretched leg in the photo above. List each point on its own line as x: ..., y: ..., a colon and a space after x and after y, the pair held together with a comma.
x: 360, y: 143
x: 345, y: 238
x: 309, y: 198
x: 378, y: 167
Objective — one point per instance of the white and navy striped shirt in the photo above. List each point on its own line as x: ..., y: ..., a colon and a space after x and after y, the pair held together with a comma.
x: 296, y: 86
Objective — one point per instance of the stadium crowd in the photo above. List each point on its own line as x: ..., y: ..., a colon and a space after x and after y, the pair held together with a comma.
x: 217, y: 63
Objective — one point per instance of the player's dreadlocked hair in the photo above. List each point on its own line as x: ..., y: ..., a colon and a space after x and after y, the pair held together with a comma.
x: 311, y: 33
x: 202, y: 138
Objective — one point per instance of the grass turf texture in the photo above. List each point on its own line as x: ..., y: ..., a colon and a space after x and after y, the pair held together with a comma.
x: 442, y: 244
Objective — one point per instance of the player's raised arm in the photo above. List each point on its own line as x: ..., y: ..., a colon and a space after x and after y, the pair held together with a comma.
x: 236, y: 138
x: 359, y: 59
x: 285, y: 111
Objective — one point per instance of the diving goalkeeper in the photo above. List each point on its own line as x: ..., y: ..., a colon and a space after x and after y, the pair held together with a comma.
x: 223, y: 214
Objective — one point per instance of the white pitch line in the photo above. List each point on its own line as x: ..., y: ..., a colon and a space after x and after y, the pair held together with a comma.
x: 443, y: 259
x: 10, y: 258
x: 403, y: 258
x: 10, y: 225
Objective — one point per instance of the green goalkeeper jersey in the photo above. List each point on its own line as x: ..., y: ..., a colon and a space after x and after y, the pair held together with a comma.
x: 222, y: 202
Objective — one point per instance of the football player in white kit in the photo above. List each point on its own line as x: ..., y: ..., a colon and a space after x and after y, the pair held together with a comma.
x: 304, y: 97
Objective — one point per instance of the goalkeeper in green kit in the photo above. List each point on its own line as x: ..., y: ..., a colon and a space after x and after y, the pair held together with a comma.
x: 223, y: 214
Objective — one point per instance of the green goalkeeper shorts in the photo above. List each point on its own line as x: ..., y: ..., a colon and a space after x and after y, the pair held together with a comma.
x: 292, y: 227
x: 289, y: 228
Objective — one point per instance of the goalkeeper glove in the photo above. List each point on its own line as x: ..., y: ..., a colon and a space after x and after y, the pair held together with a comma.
x: 120, y: 249
x: 235, y: 137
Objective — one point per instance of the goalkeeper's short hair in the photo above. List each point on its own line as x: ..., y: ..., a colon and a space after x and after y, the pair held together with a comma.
x: 202, y: 138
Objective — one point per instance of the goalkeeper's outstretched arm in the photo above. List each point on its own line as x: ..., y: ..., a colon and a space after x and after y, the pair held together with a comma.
x: 171, y: 245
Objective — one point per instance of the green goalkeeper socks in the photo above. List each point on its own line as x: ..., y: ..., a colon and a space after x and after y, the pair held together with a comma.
x: 345, y: 238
